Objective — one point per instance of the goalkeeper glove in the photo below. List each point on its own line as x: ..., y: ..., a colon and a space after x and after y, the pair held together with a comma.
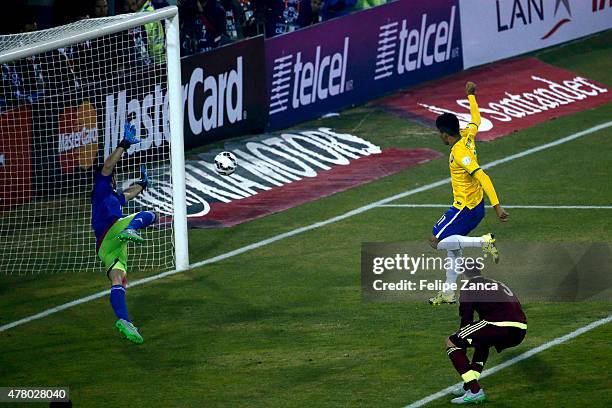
x: 129, y: 136
x: 144, y: 177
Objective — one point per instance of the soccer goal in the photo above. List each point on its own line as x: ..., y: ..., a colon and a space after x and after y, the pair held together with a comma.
x: 65, y: 95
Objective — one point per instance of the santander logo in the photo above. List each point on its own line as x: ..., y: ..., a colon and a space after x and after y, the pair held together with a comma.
x: 511, y: 95
x: 464, y: 117
x: 546, y: 95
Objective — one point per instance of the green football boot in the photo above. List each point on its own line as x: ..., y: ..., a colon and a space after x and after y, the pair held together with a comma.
x: 459, y: 391
x: 441, y: 298
x: 129, y: 331
x: 488, y: 246
x: 470, y: 398
x: 129, y: 234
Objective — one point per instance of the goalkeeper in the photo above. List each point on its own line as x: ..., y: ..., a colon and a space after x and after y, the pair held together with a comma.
x: 113, y: 230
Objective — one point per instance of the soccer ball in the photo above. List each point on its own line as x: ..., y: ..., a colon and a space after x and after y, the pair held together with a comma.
x: 225, y: 163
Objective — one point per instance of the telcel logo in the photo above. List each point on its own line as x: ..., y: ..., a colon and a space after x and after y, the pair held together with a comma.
x: 414, y: 44
x: 422, y: 46
x: 308, y: 82
x: 312, y: 80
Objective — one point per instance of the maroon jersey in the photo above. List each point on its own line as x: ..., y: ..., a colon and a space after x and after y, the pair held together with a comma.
x: 492, y: 300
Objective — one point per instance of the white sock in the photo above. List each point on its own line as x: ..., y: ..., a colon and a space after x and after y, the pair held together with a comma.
x: 455, y: 242
x: 451, y: 272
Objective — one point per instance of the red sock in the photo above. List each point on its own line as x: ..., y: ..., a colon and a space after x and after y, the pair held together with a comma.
x: 481, y: 354
x: 459, y: 359
x: 473, y: 386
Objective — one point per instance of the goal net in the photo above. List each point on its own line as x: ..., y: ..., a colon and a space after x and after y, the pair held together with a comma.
x: 65, y: 95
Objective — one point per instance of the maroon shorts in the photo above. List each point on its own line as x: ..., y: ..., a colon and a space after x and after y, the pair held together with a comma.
x: 485, y: 334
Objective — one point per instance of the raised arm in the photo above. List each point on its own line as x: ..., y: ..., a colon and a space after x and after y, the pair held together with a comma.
x: 112, y: 160
x: 132, y: 191
x: 470, y: 90
x: 129, y: 138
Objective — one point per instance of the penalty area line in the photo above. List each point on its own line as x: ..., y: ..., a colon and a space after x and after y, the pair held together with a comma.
x: 306, y: 228
x: 529, y: 353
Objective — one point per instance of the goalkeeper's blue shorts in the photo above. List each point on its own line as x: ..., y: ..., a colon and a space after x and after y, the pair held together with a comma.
x: 458, y: 222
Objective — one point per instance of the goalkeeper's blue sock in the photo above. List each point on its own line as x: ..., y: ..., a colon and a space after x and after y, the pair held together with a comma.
x: 117, y: 301
x: 142, y: 220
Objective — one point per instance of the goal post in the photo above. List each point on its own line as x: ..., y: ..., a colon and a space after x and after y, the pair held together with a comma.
x: 173, y: 46
x: 66, y: 94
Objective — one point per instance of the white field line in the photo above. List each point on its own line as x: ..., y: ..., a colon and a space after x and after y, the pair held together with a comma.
x: 528, y: 207
x: 490, y: 371
x: 306, y: 228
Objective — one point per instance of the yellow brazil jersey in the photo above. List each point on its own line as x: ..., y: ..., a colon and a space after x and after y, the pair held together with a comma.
x: 463, y: 162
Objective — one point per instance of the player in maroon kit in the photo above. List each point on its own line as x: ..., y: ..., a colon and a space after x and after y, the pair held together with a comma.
x: 502, y: 325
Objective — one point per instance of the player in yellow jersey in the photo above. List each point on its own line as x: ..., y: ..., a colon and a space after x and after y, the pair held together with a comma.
x: 468, y: 181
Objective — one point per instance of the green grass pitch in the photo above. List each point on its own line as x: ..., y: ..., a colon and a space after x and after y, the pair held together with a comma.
x: 284, y: 325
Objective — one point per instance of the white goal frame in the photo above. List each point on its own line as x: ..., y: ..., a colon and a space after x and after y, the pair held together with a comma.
x: 177, y: 154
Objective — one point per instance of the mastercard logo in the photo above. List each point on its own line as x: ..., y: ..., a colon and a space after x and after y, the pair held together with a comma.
x: 78, y: 137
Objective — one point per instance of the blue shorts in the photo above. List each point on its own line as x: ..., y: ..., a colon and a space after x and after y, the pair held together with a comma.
x: 458, y: 222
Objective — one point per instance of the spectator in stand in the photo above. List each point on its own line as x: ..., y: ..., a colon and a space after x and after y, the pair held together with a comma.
x: 285, y: 16
x: 254, y: 17
x: 21, y: 81
x: 100, y: 9
x: 151, y: 43
x: 65, y: 67
x: 234, y: 20
x: 203, y: 25
x: 104, y: 59
x: 12, y: 84
x: 30, y: 25
x: 328, y: 9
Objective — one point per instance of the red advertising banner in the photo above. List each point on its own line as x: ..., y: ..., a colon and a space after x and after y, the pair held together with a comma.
x: 277, y: 171
x: 15, y: 157
x: 512, y: 95
x: 339, y: 178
